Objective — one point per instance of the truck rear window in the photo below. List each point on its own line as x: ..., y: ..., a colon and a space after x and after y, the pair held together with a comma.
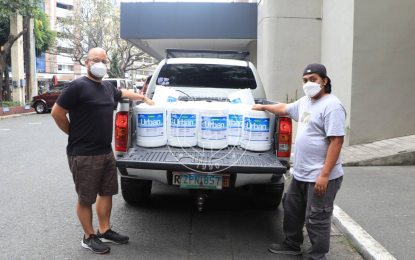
x: 206, y: 76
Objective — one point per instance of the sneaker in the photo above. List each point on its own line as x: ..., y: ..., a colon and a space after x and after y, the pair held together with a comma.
x: 283, y: 249
x: 113, y: 237
x: 95, y: 245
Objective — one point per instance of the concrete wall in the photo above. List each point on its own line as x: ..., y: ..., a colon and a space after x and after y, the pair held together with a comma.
x: 337, y: 51
x: 383, y: 92
x: 289, y: 38
x: 253, y: 52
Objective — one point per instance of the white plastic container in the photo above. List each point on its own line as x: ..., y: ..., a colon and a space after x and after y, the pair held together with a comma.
x: 213, y: 126
x: 257, y: 135
x: 182, y: 124
x: 151, y: 125
x: 235, y: 123
x: 243, y: 96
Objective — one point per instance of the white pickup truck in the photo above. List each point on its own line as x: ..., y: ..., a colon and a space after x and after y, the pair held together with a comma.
x: 210, y: 76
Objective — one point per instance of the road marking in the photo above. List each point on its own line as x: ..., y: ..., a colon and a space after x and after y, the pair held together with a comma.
x: 4, y: 129
x: 35, y: 123
x: 364, y: 243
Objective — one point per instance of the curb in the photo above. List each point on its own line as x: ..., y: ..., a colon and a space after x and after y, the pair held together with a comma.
x: 17, y: 115
x: 364, y: 243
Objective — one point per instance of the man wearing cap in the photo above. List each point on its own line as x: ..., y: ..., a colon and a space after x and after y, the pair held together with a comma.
x: 317, y: 173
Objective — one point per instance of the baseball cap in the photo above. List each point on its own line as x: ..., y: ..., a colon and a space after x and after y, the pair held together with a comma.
x: 315, y: 68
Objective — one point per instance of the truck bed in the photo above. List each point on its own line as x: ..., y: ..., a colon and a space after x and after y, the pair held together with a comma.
x: 229, y: 160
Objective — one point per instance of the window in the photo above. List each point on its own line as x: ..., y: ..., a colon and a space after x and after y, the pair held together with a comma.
x: 113, y: 82
x: 122, y: 84
x: 207, y: 76
x: 57, y: 89
x: 64, y: 6
x: 60, y: 67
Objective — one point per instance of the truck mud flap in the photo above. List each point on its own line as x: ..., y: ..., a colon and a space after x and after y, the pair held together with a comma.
x: 198, y: 160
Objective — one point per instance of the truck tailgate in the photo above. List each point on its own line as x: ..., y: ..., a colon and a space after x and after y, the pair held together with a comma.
x: 234, y: 160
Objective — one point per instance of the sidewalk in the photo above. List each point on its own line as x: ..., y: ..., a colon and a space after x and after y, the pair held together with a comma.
x: 396, y: 151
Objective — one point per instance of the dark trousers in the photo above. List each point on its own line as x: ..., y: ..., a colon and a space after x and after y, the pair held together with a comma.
x: 303, y: 205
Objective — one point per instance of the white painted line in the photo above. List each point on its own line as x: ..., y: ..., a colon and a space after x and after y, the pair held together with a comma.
x: 35, y: 123
x: 4, y: 129
x: 364, y: 243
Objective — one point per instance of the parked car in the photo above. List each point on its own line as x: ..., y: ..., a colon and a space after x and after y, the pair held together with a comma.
x: 130, y: 85
x: 44, y: 102
x: 118, y: 83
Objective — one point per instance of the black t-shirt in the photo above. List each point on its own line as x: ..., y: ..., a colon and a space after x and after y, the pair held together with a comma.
x: 91, y: 108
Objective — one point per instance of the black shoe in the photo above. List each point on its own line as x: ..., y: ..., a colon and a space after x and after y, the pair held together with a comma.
x: 95, y: 245
x: 283, y: 249
x: 113, y: 237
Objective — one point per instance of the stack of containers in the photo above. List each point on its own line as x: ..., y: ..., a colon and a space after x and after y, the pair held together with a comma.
x: 151, y: 127
x: 213, y: 127
x: 182, y: 124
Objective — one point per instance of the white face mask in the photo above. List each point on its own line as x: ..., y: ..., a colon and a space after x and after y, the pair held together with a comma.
x: 311, y: 89
x: 99, y: 70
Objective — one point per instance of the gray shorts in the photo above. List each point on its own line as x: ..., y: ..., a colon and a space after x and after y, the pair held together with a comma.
x: 92, y: 175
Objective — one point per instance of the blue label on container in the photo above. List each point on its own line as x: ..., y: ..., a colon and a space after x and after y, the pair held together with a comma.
x: 171, y: 99
x: 183, y: 125
x: 235, y: 125
x: 150, y: 125
x: 256, y: 129
x: 236, y: 101
x: 214, y: 128
x: 183, y: 120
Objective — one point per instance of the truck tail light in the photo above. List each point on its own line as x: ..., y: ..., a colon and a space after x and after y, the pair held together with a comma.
x: 121, y: 131
x: 119, y: 88
x: 225, y: 181
x: 284, y: 137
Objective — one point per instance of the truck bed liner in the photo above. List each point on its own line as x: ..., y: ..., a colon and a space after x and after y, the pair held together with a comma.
x: 229, y: 160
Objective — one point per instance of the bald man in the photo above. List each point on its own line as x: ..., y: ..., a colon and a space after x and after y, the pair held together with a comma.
x: 90, y: 104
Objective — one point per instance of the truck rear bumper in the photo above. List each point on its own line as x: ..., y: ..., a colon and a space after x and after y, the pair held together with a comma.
x: 162, y: 177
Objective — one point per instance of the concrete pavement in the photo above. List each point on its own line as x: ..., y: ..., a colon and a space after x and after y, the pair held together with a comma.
x: 394, y: 151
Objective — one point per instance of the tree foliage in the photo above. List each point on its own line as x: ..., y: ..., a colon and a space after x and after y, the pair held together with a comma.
x: 96, y: 23
x: 44, y: 36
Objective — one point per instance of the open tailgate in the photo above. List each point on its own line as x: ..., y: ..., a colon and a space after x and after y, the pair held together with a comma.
x: 196, y: 159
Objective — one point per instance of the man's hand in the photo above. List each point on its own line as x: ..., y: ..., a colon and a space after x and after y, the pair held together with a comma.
x: 321, y: 184
x: 149, y: 101
x: 258, y: 107
x: 59, y: 114
x: 136, y: 97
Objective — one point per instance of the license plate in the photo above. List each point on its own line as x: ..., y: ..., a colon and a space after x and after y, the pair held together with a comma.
x: 198, y: 181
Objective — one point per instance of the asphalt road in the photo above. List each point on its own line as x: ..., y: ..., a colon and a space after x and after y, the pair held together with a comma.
x: 381, y: 200
x: 38, y: 218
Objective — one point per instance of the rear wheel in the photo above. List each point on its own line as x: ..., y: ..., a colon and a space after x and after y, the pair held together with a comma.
x: 136, y: 191
x: 40, y: 108
x: 268, y: 196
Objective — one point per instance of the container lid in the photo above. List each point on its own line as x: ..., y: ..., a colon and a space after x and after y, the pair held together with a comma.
x: 215, y: 107
x: 250, y: 112
x: 238, y: 108
x: 143, y: 107
x: 183, y: 107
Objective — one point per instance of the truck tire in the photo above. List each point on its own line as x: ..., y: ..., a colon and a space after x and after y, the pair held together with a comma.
x: 136, y: 191
x: 268, y: 196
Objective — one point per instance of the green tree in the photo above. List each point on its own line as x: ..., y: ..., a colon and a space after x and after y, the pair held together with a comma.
x: 9, y: 9
x: 44, y: 36
x: 115, y: 66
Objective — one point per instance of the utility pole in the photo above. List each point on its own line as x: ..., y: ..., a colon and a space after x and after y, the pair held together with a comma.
x: 16, y: 26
